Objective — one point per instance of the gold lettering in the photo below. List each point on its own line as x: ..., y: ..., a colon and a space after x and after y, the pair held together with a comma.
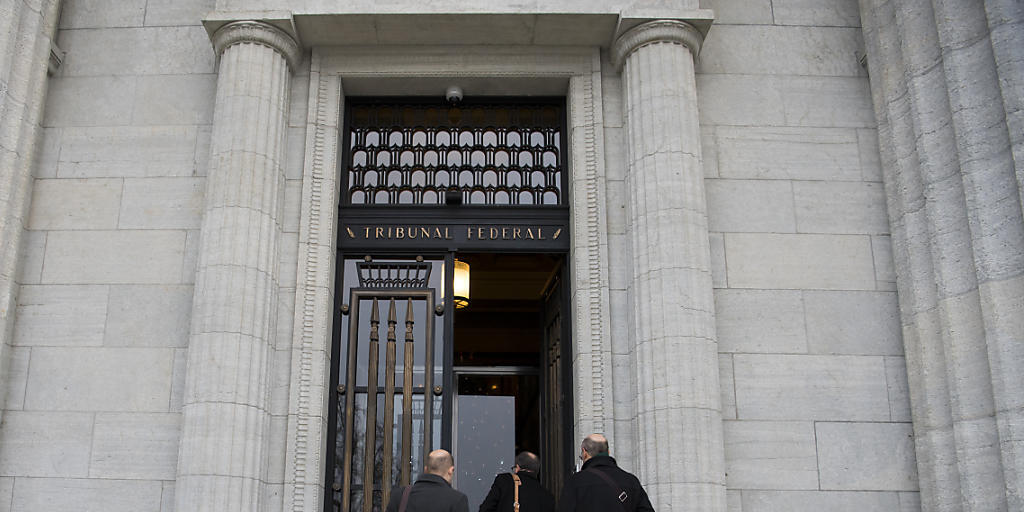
x: 494, y: 233
x: 480, y: 233
x: 399, y: 232
x: 469, y: 233
x: 366, y: 236
x: 425, y: 232
x: 378, y: 233
x: 437, y: 233
x: 412, y: 231
x: 540, y: 234
x: 529, y: 234
x: 517, y: 233
x: 504, y: 233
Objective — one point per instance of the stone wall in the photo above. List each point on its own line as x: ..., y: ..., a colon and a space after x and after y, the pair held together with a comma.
x: 813, y: 381
x: 812, y: 371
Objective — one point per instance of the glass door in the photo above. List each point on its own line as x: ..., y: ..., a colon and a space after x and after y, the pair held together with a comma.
x: 497, y: 415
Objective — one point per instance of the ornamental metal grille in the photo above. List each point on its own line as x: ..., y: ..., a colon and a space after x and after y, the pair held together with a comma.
x: 493, y: 154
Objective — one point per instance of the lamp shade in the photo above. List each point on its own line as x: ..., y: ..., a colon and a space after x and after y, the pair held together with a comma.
x: 461, y: 284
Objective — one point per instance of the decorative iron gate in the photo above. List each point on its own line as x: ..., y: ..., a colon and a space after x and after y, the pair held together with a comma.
x: 371, y: 389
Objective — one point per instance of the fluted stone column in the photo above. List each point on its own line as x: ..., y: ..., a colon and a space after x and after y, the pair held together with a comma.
x: 26, y: 32
x: 222, y: 459
x: 945, y: 104
x: 679, y: 419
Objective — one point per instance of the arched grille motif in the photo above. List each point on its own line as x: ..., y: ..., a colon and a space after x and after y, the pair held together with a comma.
x: 494, y: 154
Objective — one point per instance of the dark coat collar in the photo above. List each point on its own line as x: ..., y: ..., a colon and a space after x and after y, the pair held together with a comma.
x: 432, y: 479
x: 599, y: 460
x: 529, y: 474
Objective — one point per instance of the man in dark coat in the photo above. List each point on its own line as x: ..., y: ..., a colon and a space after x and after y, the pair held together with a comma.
x: 600, y: 486
x: 533, y: 497
x: 432, y: 491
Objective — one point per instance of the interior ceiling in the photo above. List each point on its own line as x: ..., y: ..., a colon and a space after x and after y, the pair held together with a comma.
x: 508, y: 277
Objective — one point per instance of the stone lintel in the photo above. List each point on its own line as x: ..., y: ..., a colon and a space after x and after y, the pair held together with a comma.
x: 265, y: 32
x: 352, y: 26
x: 656, y: 31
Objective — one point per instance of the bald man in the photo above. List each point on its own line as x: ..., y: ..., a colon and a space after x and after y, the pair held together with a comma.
x: 600, y: 486
x: 432, y: 491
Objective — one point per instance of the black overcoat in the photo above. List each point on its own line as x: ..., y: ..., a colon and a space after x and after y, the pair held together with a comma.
x: 430, y: 493
x: 587, y: 492
x: 533, y: 497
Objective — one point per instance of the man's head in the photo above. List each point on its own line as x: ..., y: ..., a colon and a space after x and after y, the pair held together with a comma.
x: 528, y: 462
x: 441, y: 463
x: 592, y: 446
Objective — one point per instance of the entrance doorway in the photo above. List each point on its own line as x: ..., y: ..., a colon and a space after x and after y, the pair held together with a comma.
x: 417, y: 365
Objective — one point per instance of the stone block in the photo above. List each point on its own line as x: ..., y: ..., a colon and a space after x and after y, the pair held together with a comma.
x: 6, y: 493
x: 178, y: 380
x: 615, y: 206
x: 817, y: 501
x: 727, y: 386
x: 899, y: 389
x: 830, y: 207
x: 175, y: 99
x: 289, y: 252
x: 140, y: 51
x: 709, y: 151
x: 799, y: 261
x: 885, y: 272
x: 719, y: 277
x: 750, y: 206
x: 167, y: 498
x: 127, y: 152
x: 866, y: 456
x: 177, y: 12
x: 910, y: 502
x: 102, y: 14
x: 292, y: 206
x: 856, y: 323
x: 148, y: 316
x: 32, y: 250
x: 740, y: 12
x: 826, y: 101
x: 829, y: 13
x: 733, y: 501
x: 295, y: 153
x: 202, y: 153
x: 809, y: 387
x: 74, y: 204
x: 615, y: 154
x: 162, y: 203
x: 788, y: 153
x: 779, y: 50
x: 17, y: 377
x: 870, y: 160
x: 770, y: 455
x: 87, y: 495
x: 135, y: 446
x: 99, y: 379
x: 743, y: 100
x: 49, y: 152
x: 85, y: 257
x: 89, y: 101
x: 760, y: 321
x: 61, y: 315
x: 45, y: 444
x: 191, y: 257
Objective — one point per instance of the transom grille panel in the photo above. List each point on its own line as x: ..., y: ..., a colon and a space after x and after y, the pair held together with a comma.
x: 494, y: 154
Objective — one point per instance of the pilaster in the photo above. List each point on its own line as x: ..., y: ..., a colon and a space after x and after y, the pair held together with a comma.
x: 676, y: 352
x: 222, y: 457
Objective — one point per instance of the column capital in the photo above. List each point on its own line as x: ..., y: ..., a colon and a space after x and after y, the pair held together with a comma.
x: 257, y: 32
x: 669, y: 31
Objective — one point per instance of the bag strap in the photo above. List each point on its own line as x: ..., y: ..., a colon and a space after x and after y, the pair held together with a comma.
x: 619, y: 493
x: 405, y: 498
x: 515, y: 492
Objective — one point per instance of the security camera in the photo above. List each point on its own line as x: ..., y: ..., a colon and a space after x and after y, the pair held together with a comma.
x: 453, y: 94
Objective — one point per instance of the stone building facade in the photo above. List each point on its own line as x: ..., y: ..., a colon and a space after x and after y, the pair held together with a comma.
x: 797, y: 244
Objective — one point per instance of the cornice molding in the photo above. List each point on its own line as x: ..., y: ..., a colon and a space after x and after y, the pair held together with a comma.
x: 261, y: 33
x: 657, y: 31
